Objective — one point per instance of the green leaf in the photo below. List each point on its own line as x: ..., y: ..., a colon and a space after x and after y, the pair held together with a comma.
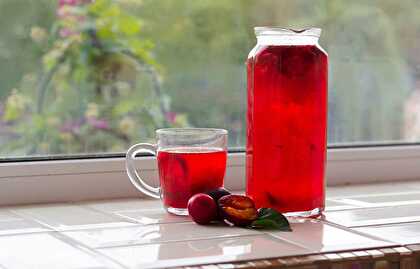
x: 128, y: 25
x: 98, y: 6
x: 111, y: 11
x: 269, y: 218
x: 104, y: 29
x: 124, y: 107
x: 39, y: 122
x: 15, y: 106
x: 11, y: 113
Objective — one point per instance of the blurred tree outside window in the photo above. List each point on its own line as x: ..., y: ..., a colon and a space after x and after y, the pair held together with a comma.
x: 92, y: 77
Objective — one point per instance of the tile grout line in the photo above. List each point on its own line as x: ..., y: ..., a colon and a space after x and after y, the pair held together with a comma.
x: 184, y: 240
x: 415, y: 220
x: 349, y: 229
x: 417, y: 191
x: 112, y: 215
x: 23, y: 233
x: 362, y: 205
x: 354, y: 202
x: 132, y: 220
x: 332, y: 209
x: 369, y: 223
x: 290, y: 242
x: 386, y: 224
x: 374, y: 206
x: 71, y: 242
x: 52, y: 228
x: 31, y: 218
x: 145, y: 224
x: 86, y: 249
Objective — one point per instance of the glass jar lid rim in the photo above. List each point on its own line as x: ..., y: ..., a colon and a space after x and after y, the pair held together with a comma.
x: 272, y: 31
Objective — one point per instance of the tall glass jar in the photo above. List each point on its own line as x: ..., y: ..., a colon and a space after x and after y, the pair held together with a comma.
x: 287, y: 120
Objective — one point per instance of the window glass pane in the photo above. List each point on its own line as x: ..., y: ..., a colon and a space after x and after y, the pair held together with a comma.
x: 94, y: 77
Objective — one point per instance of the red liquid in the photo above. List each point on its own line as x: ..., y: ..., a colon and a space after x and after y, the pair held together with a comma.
x: 184, y: 172
x: 286, y: 127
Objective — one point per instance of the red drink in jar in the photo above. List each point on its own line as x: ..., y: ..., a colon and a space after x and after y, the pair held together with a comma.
x: 286, y: 121
x: 184, y: 172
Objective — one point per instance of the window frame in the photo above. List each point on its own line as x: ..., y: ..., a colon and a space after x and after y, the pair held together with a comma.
x: 105, y: 178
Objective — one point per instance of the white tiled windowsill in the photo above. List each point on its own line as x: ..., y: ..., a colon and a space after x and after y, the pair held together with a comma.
x: 138, y: 233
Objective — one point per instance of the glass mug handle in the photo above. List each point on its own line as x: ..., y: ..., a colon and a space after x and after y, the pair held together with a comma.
x: 130, y: 166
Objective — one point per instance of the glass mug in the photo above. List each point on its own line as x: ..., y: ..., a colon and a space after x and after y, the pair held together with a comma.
x: 190, y: 161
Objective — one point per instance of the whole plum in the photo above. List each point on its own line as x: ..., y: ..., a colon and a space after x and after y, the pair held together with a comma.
x: 202, y: 208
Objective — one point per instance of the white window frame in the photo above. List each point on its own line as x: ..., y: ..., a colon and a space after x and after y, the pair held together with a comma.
x: 89, y: 179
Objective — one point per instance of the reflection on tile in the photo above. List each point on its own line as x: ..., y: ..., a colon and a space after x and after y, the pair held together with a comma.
x: 386, y: 199
x: 405, y: 233
x: 375, y: 216
x: 20, y: 226
x: 13, y: 224
x: 321, y: 237
x: 6, y: 215
x: 333, y: 205
x: 367, y: 189
x: 152, y: 216
x: 69, y: 217
x: 124, y: 205
x: 43, y: 250
x: 97, y: 238
x: 202, y: 251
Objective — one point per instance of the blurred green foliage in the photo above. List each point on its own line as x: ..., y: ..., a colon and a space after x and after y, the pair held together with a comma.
x: 97, y: 88
x: 127, y: 67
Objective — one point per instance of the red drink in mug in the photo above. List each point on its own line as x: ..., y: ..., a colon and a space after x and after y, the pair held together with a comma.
x: 190, y: 161
x: 184, y: 172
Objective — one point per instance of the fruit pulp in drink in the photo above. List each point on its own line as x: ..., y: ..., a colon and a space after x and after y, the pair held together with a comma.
x: 185, y: 171
x: 286, y: 127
